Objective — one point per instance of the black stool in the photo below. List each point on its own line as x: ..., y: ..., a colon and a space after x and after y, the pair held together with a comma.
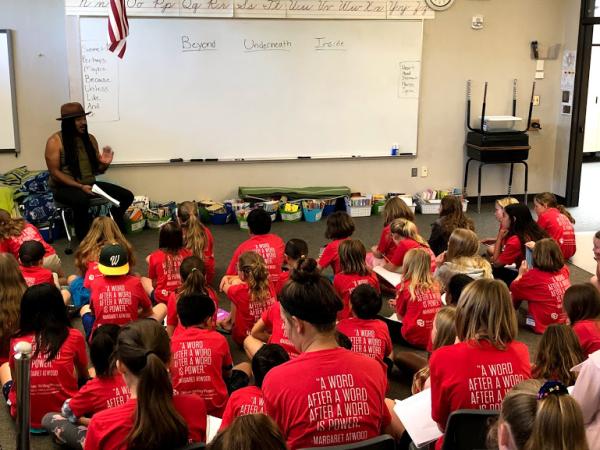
x: 60, y: 212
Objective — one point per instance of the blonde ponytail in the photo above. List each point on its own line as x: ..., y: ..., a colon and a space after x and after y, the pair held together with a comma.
x: 253, y: 266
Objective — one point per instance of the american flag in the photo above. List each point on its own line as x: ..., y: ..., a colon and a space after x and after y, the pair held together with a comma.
x: 118, y: 27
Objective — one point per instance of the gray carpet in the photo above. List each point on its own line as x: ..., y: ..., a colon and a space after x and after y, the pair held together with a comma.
x: 227, y: 238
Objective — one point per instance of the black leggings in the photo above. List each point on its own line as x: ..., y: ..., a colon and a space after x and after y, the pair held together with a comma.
x: 79, y: 201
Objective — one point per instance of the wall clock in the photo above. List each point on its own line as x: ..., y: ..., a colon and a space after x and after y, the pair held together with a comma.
x: 439, y: 5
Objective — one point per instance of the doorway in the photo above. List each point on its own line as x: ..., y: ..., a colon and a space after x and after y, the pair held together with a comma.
x: 583, y: 171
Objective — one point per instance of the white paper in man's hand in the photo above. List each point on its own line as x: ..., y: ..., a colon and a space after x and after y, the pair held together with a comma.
x: 98, y: 191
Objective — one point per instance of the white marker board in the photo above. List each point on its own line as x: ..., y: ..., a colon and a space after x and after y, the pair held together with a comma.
x: 9, y: 139
x: 253, y: 89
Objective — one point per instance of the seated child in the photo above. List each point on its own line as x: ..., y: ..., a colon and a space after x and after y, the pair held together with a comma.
x: 249, y: 400
x: 294, y: 250
x: 538, y: 415
x: 395, y: 208
x: 163, y: 264
x: 406, y: 237
x: 557, y: 353
x: 31, y: 256
x: 455, y: 287
x: 251, y: 431
x: 582, y: 305
x: 451, y: 218
x: 59, y: 358
x: 418, y: 299
x: 353, y: 272
x: 555, y: 220
x: 105, y: 391
x: 251, y: 293
x: 269, y: 246
x: 340, y: 226
x: 197, y: 237
x: 369, y: 335
x: 201, y: 360
x: 543, y: 286
x: 116, y: 297
x: 15, y: 231
x: 443, y: 333
x: 192, y: 271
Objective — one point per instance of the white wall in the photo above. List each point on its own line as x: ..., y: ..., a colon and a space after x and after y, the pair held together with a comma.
x: 452, y: 53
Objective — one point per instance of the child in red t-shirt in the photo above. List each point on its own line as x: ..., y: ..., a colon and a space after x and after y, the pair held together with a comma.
x: 369, y: 335
x: 542, y: 287
x: 197, y: 237
x: 107, y: 390
x: 558, y: 351
x: 250, y: 293
x: 395, y: 208
x: 294, y: 250
x: 163, y: 264
x: 477, y: 372
x: 269, y: 246
x: 59, y: 357
x: 249, y: 399
x: 582, y: 305
x: 353, y: 272
x: 595, y: 280
x: 117, y: 297
x: 340, y: 226
x: 269, y: 329
x: 555, y: 220
x: 518, y: 228
x: 153, y: 417
x: 499, y: 206
x: 418, y: 299
x: 194, y: 282
x: 406, y: 237
x: 15, y: 231
x: 31, y: 256
x: 103, y: 231
x: 324, y: 379
x: 201, y: 359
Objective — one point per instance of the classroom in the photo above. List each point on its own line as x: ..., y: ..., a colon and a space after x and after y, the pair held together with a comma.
x: 220, y: 105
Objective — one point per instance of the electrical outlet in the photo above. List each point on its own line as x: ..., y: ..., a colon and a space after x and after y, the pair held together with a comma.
x: 536, y: 100
x: 424, y: 171
x: 413, y: 172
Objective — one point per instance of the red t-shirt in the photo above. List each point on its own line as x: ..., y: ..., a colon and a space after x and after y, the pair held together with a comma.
x: 474, y: 375
x: 173, y: 319
x: 109, y: 429
x: 36, y: 275
x: 98, y: 394
x: 117, y: 299
x: 52, y: 382
x: 272, y: 319
x: 199, y: 358
x: 209, y: 257
x: 331, y: 257
x: 270, y: 246
x: 284, y: 276
x: 511, y: 252
x: 345, y: 283
x: 91, y: 274
x: 163, y: 269
x: 369, y: 337
x: 386, y: 245
x: 404, y: 246
x: 244, y: 401
x: 247, y: 312
x: 327, y: 397
x: 588, y: 332
x: 559, y: 228
x: 418, y: 314
x: 544, y: 292
x: 30, y: 233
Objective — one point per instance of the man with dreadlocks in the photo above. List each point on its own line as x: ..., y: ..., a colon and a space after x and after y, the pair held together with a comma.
x: 74, y: 159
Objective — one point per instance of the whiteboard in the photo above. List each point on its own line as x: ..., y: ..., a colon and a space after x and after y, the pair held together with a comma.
x: 253, y: 89
x: 8, y: 118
